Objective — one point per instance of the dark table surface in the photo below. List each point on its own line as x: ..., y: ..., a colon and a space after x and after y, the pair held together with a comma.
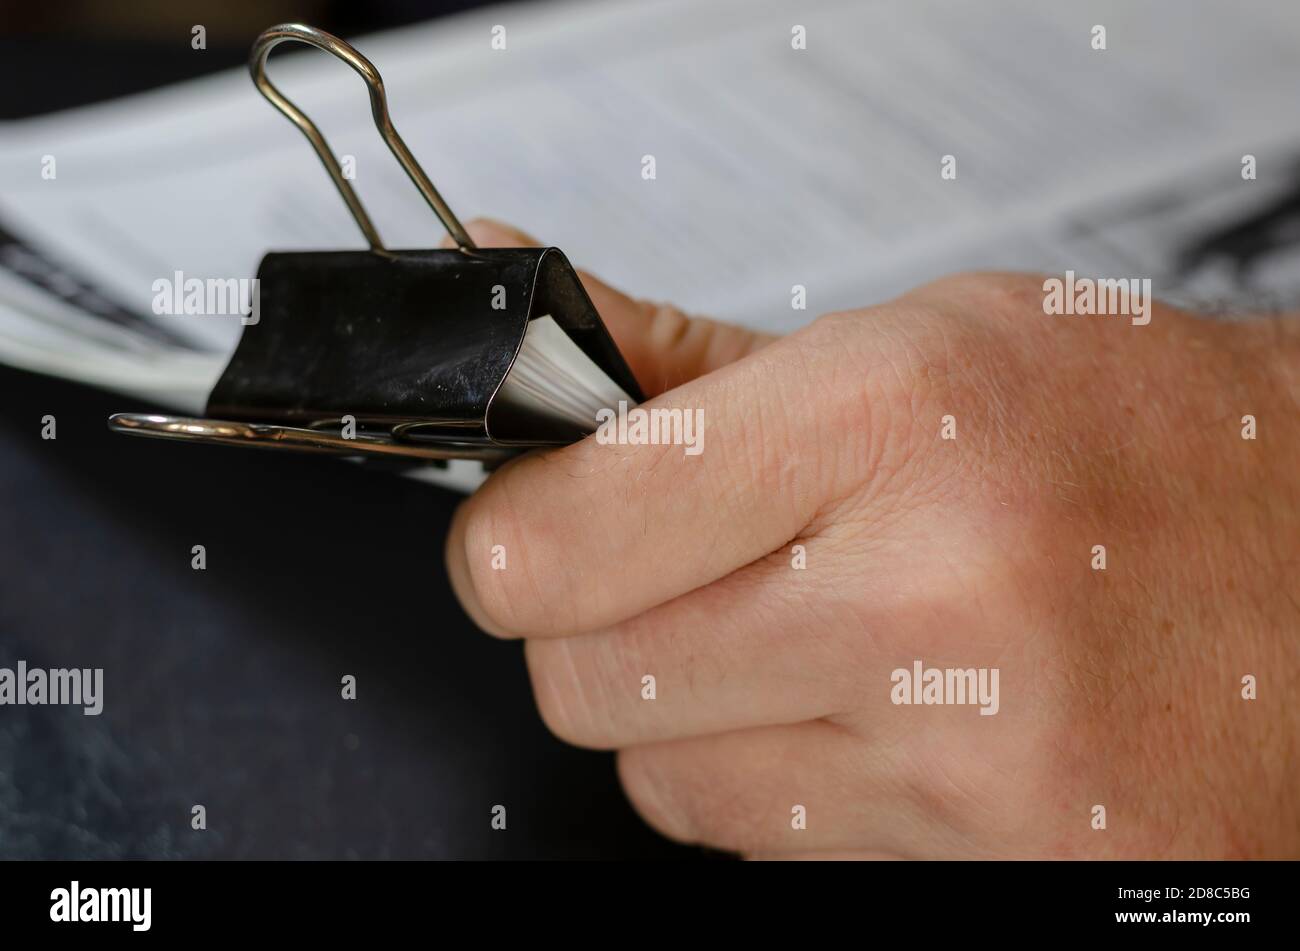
x: 222, y: 686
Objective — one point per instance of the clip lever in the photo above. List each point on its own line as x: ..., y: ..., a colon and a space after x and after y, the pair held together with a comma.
x: 273, y: 37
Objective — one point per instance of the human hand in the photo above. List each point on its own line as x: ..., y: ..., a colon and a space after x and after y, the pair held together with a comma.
x: 1119, y: 687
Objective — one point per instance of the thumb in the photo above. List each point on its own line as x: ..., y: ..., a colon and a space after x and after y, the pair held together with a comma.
x: 663, y: 346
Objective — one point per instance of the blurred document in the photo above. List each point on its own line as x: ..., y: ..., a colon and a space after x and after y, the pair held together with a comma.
x: 684, y: 151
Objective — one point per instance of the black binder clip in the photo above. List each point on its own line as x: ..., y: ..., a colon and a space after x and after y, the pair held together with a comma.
x: 398, y: 354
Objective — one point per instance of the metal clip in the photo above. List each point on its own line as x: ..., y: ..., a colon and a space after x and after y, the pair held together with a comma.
x: 285, y: 32
x: 402, y: 345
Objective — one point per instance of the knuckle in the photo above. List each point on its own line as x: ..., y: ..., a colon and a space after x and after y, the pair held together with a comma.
x: 566, y: 693
x: 989, y: 293
x: 691, y: 801
x: 667, y: 326
x: 894, y: 360
x: 884, y: 347
x: 836, y: 325
x: 895, y: 377
x: 968, y: 282
x: 653, y: 795
x: 506, y: 559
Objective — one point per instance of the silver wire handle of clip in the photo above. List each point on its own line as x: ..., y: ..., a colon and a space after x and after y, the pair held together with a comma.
x: 273, y: 37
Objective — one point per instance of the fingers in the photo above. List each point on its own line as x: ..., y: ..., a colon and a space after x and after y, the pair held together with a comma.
x: 751, y: 791
x: 756, y: 648
x: 662, y: 346
x: 593, y: 534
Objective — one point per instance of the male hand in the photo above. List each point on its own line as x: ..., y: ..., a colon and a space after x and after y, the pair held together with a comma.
x: 774, y: 729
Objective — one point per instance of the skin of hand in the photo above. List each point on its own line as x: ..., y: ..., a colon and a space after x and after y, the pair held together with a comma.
x: 1119, y: 687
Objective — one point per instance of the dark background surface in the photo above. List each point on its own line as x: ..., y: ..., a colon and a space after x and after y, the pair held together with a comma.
x: 222, y: 687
